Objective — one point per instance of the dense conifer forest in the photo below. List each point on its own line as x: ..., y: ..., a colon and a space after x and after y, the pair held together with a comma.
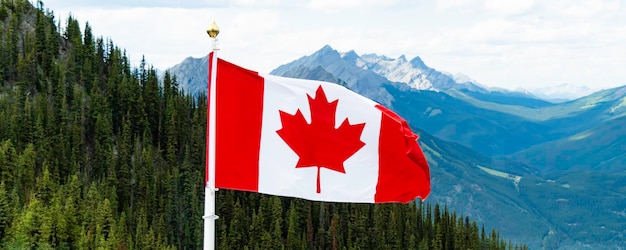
x: 98, y: 154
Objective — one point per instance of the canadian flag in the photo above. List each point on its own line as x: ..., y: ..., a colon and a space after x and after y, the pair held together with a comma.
x: 311, y: 139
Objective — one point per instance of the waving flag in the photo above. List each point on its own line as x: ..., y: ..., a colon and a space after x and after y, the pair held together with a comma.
x: 313, y: 140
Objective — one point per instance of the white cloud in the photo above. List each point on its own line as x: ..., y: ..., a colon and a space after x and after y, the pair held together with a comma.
x: 256, y: 3
x: 520, y: 43
x: 255, y: 22
x: 452, y: 5
x: 508, y: 7
x: 347, y: 5
x: 585, y: 8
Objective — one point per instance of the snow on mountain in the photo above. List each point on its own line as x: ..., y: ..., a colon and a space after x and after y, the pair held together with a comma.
x: 563, y: 91
x: 416, y: 74
x: 460, y: 78
x: 519, y: 92
x: 464, y: 79
x: 524, y: 91
x: 396, y: 70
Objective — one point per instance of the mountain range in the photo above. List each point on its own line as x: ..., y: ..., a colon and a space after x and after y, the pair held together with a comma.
x: 548, y: 174
x: 562, y: 92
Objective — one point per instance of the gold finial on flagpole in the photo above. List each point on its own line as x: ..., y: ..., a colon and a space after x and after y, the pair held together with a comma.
x: 213, y: 31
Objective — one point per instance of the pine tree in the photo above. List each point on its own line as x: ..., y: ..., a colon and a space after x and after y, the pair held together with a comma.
x: 69, y: 225
x: 294, y: 235
x: 5, y: 211
x: 276, y: 226
x: 7, y: 162
x: 25, y: 227
x: 237, y: 237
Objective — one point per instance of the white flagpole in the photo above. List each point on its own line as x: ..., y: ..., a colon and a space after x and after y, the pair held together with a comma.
x: 209, y: 188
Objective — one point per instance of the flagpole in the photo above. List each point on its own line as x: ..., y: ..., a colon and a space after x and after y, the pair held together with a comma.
x: 209, y: 188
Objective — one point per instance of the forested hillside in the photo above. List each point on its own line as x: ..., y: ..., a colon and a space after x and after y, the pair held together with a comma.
x: 98, y: 154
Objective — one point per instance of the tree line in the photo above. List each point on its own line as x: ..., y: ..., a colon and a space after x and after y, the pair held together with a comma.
x: 98, y: 154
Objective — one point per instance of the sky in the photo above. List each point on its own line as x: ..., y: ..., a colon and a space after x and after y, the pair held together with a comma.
x: 499, y: 43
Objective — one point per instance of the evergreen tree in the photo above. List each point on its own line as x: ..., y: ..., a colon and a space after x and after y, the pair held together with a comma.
x: 7, y: 162
x: 237, y: 237
x: 294, y: 234
x: 5, y: 212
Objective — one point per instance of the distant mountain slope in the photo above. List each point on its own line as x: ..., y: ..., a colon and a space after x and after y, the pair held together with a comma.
x: 577, y: 209
x: 602, y: 148
x: 486, y: 131
x: 606, y: 103
x: 562, y: 92
x: 191, y: 74
x: 589, y: 112
x: 509, y: 98
x: 590, y: 132
x: 458, y: 181
x: 586, y: 208
x: 317, y: 73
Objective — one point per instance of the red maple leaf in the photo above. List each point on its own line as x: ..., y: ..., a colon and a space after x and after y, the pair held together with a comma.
x: 320, y: 144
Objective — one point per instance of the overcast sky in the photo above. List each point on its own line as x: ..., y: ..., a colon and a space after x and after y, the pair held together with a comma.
x: 499, y: 43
